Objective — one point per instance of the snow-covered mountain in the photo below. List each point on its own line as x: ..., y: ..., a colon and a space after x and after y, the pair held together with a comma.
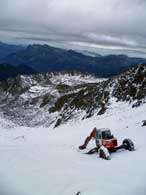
x: 40, y: 99
x: 37, y: 159
x: 55, y: 98
x: 42, y: 161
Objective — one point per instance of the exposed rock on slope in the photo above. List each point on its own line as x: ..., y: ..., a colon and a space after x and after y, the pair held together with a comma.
x: 55, y: 98
x: 131, y: 85
x: 41, y: 99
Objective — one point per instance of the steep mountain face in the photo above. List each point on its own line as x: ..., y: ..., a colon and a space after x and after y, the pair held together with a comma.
x: 54, y: 98
x: 7, y: 71
x: 44, y: 58
x: 131, y: 86
x: 6, y: 49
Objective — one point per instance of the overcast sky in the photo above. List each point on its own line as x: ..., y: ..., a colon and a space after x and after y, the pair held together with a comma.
x: 108, y: 26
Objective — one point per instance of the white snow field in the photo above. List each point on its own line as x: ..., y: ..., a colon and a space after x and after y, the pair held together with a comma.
x: 46, y: 161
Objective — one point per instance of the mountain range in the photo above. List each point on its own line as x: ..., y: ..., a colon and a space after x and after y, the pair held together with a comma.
x: 44, y: 58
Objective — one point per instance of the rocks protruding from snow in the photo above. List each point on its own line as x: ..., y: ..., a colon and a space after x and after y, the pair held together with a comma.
x: 55, y: 98
x: 131, y: 86
x: 46, y: 99
x: 144, y: 123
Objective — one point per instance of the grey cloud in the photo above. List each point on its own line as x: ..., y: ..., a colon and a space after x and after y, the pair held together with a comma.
x: 104, y: 23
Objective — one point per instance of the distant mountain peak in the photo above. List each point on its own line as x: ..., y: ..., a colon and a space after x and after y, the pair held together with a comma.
x: 44, y: 58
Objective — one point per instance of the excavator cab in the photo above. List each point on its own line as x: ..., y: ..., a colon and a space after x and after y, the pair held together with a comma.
x: 105, y: 138
x: 106, y: 134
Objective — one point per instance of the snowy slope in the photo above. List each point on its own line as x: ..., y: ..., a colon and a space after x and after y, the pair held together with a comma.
x: 27, y: 100
x: 46, y: 161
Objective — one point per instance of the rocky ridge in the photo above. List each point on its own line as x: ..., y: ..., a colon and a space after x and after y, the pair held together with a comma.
x: 54, y: 98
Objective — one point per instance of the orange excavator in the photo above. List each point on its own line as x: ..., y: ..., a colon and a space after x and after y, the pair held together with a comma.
x: 106, y: 143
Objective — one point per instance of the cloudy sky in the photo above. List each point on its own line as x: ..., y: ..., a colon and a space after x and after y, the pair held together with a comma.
x: 106, y: 26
